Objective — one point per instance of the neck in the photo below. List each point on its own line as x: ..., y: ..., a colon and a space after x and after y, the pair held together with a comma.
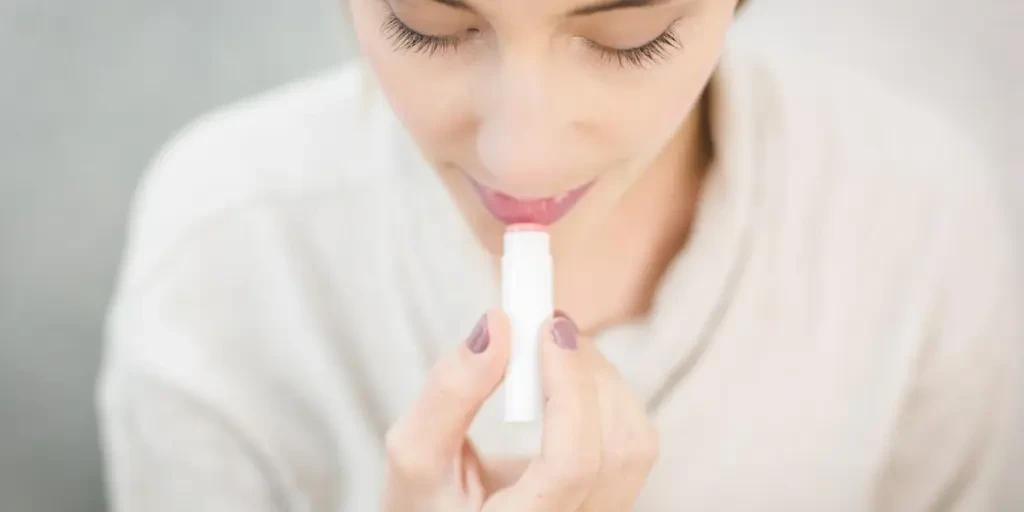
x: 649, y: 229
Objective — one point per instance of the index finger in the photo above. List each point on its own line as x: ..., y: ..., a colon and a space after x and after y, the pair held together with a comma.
x: 425, y: 441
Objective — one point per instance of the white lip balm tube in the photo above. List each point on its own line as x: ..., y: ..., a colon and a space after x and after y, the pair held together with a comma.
x: 527, y: 297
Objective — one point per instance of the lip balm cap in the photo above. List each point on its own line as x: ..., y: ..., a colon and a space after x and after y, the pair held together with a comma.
x: 525, y: 239
x: 526, y: 227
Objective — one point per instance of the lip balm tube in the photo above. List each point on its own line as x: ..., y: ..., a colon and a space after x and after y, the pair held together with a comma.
x: 527, y: 297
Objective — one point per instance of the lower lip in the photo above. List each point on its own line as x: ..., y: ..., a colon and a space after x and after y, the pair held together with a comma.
x: 545, y: 212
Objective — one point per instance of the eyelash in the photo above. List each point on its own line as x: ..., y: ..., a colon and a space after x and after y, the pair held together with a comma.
x: 653, y: 52
x: 404, y: 38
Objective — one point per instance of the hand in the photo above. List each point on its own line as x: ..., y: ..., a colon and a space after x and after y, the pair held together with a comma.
x: 598, y: 446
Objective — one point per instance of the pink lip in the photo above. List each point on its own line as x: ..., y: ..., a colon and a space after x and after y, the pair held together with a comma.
x: 544, y: 211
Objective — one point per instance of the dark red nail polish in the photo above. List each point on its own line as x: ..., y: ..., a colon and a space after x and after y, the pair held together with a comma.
x: 480, y: 338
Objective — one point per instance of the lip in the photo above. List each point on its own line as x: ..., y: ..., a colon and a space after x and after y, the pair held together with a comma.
x: 544, y: 211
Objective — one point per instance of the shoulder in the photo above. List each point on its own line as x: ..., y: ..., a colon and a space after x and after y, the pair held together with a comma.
x: 870, y: 181
x: 309, y: 138
x: 860, y: 121
x: 898, y: 201
x: 293, y: 137
x: 242, y: 230
x: 848, y: 146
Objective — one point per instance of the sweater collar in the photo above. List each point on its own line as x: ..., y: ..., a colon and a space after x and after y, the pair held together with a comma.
x: 656, y: 354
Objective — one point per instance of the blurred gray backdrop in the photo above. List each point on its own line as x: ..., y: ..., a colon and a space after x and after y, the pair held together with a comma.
x: 89, y: 91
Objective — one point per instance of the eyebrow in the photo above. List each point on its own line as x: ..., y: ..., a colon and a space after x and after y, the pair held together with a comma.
x: 586, y: 10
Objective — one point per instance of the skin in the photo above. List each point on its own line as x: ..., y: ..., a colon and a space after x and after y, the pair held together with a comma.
x: 598, y: 445
x: 531, y: 100
x: 525, y: 104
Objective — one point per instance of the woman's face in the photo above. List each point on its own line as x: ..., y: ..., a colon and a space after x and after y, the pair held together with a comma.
x: 542, y: 111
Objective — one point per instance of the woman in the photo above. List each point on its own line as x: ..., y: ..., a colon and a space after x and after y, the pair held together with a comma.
x: 780, y: 287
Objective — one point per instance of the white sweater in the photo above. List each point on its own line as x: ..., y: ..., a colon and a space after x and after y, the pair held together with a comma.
x: 837, y: 335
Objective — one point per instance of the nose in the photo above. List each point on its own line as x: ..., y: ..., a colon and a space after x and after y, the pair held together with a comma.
x: 524, y: 134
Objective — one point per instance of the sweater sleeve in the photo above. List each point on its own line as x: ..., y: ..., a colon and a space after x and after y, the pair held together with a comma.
x: 948, y: 451
x: 204, y: 399
x: 170, y: 450
x: 204, y: 394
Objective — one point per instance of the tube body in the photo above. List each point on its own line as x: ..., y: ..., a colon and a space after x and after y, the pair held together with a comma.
x: 527, y: 297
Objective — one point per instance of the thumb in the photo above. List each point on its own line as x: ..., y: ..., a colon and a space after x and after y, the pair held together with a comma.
x: 562, y: 476
x: 423, y: 444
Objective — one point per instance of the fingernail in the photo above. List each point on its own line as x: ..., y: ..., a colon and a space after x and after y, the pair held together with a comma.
x: 564, y: 331
x: 480, y: 338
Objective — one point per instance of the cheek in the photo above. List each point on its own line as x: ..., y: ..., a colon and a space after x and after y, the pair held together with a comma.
x: 417, y: 100
x: 643, y: 122
x: 678, y: 99
x: 668, y: 100
x: 422, y: 94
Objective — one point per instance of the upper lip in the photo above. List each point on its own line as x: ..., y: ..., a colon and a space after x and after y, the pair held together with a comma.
x: 544, y: 210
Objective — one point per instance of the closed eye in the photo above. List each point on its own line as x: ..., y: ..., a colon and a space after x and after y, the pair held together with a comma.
x: 404, y: 38
x: 652, y: 52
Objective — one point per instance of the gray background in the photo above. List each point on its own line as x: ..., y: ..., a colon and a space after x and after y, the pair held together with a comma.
x: 89, y: 90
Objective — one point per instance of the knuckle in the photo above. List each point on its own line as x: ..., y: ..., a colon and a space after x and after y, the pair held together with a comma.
x: 575, y: 473
x: 637, y: 450
x: 647, y: 447
x: 404, y: 458
x: 451, y: 385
